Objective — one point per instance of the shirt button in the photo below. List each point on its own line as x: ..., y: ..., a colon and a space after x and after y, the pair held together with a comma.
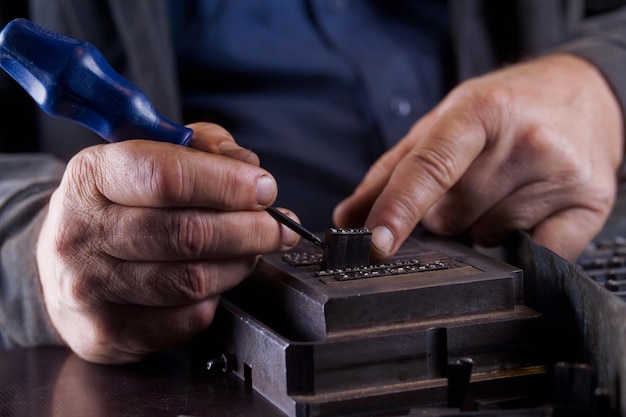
x: 338, y: 6
x: 400, y: 106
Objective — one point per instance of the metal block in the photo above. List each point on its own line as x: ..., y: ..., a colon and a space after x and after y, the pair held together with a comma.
x: 318, y: 343
x: 347, y: 248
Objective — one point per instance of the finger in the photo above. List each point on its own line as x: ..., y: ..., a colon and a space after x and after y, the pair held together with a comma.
x: 161, y: 284
x: 425, y: 173
x: 517, y: 163
x: 289, y: 237
x: 527, y: 208
x: 209, y: 137
x: 353, y: 211
x: 523, y: 209
x: 568, y: 232
x: 143, y: 234
x: 128, y: 333
x: 153, y: 174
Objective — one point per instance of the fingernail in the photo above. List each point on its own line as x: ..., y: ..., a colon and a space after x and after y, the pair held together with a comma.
x: 382, y: 239
x: 265, y: 190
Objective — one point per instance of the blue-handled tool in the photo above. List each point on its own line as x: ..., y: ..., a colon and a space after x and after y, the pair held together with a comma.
x: 71, y: 79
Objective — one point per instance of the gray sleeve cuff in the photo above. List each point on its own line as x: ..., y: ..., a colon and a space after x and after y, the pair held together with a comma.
x: 602, y: 42
x: 26, y: 183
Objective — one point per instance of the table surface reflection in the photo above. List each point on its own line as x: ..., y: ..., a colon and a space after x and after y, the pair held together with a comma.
x: 51, y: 381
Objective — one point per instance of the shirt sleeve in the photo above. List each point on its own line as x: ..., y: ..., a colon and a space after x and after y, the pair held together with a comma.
x: 26, y: 183
x: 602, y: 41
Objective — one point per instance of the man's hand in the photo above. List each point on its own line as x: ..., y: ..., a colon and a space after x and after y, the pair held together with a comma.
x: 532, y: 147
x: 141, y: 238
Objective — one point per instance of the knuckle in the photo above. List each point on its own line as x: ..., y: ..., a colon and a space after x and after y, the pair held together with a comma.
x: 599, y: 198
x: 487, y: 102
x: 79, y: 185
x: 543, y: 141
x: 260, y: 234
x: 520, y: 216
x: 72, y: 236
x: 87, y: 176
x: 226, y: 186
x: 83, y: 163
x: 491, y: 99
x: 437, y: 163
x: 192, y: 234
x: 78, y: 259
x: 563, y: 162
x: 164, y: 177
x: 76, y: 278
x: 404, y: 213
x: 198, y: 281
x: 85, y: 288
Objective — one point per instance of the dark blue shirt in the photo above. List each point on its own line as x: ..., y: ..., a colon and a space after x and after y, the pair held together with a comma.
x: 317, y: 88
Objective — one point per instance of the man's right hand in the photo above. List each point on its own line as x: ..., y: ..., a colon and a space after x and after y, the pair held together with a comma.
x: 141, y: 238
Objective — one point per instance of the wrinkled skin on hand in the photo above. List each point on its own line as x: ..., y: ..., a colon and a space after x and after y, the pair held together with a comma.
x: 141, y: 238
x: 533, y: 147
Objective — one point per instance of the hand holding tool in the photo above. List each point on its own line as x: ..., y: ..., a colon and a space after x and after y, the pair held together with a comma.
x: 71, y: 79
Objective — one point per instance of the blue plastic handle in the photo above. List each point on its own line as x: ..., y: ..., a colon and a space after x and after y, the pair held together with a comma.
x: 71, y: 79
